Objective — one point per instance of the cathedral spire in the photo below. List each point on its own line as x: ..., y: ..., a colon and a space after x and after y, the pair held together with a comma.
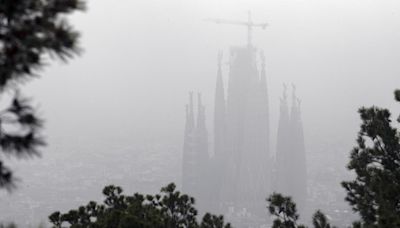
x: 284, y: 96
x: 201, y: 116
x: 282, y: 154
x: 187, y: 120
x: 263, y: 132
x: 264, y: 97
x: 298, y: 153
x: 293, y: 111
x: 295, y: 114
x: 294, y: 97
x: 188, y: 148
x: 191, y: 111
x: 201, y: 130
x: 219, y: 110
x: 284, y: 112
x: 201, y: 157
x: 263, y: 78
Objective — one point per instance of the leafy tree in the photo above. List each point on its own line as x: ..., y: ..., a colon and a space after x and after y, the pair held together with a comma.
x: 284, y: 210
x: 286, y: 216
x: 177, y: 209
x: 375, y: 192
x: 30, y: 31
x: 397, y: 95
x: 169, y: 209
x: 320, y: 220
x: 213, y: 221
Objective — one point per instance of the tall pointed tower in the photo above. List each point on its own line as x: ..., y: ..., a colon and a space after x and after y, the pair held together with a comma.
x: 291, y: 178
x: 195, y: 160
x: 282, y: 148
x: 246, y: 151
x: 219, y: 112
x: 265, y: 124
x: 239, y: 171
x: 216, y: 164
x: 201, y: 158
x: 188, y: 157
x: 201, y: 134
x: 298, y: 159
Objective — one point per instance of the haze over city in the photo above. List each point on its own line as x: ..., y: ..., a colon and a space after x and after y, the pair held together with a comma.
x: 116, y: 114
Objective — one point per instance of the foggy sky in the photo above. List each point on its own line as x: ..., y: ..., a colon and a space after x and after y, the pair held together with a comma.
x: 141, y: 58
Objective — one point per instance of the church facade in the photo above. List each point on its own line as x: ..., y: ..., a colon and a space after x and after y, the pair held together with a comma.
x: 239, y: 171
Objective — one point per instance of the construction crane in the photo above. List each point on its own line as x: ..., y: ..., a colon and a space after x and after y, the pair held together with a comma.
x: 249, y: 24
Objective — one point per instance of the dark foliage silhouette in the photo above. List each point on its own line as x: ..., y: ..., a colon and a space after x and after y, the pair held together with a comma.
x: 320, y: 220
x: 169, y: 209
x: 284, y: 211
x: 31, y: 31
x: 375, y: 192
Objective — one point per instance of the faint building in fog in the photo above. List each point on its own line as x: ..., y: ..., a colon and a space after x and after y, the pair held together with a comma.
x: 195, y: 151
x: 244, y: 154
x: 283, y: 148
x: 291, y: 173
x: 188, y: 158
x: 239, y: 173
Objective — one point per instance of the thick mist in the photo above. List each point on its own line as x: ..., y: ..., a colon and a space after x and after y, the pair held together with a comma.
x: 116, y: 114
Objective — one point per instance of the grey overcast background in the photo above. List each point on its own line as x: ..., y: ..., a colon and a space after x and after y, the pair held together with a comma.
x: 117, y: 113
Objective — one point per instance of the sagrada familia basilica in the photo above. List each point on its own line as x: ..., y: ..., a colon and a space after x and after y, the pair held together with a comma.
x: 241, y: 168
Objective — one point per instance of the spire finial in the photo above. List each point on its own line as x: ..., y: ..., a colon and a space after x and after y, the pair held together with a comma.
x: 294, y: 97
x: 284, y: 91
